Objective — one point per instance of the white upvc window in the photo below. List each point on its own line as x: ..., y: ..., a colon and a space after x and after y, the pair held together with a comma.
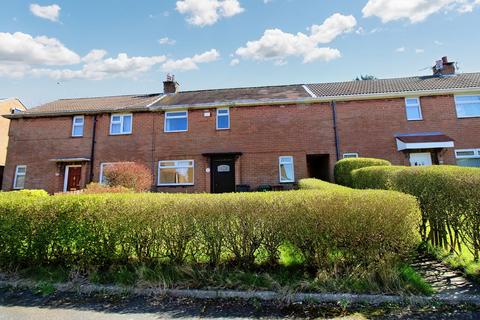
x: 77, y: 126
x: 468, y: 157
x: 121, y: 123
x: 20, y: 174
x: 223, y: 119
x: 286, y: 169
x: 467, y: 106
x: 350, y: 155
x: 176, y: 121
x: 176, y: 172
x: 413, y: 109
x: 103, y: 166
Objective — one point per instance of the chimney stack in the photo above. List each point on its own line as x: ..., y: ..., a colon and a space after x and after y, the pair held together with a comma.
x: 444, y: 67
x: 170, y: 86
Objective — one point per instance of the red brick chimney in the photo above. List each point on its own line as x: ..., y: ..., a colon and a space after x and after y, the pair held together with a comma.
x: 170, y: 86
x: 443, y: 67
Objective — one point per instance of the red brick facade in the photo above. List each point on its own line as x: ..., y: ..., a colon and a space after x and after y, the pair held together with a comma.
x: 260, y: 133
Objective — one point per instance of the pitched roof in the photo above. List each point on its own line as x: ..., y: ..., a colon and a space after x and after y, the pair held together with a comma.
x: 222, y: 96
x: 256, y: 95
x: 96, y: 104
x: 396, y: 85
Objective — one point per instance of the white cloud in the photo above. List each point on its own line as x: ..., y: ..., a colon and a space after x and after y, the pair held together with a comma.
x: 234, y: 62
x: 191, y: 63
x: 278, y: 45
x: 167, y: 41
x: 51, y: 12
x: 401, y: 49
x: 419, y: 51
x: 439, y: 43
x: 208, y: 12
x: 22, y: 47
x: 414, y: 10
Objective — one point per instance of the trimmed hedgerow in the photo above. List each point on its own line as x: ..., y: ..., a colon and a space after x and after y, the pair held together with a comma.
x: 376, y: 177
x: 317, y: 184
x: 337, y: 229
x: 343, y: 168
x: 449, y: 198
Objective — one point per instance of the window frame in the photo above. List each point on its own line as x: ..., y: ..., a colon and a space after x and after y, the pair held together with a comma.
x: 350, y: 155
x: 466, y: 95
x: 291, y: 162
x: 176, y: 166
x: 476, y: 153
x: 419, y: 105
x: 218, y: 115
x: 17, y: 174
x: 77, y: 125
x: 167, y: 117
x: 122, y: 117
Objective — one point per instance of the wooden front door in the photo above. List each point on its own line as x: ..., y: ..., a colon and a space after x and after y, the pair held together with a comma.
x: 74, y: 175
x: 223, y: 175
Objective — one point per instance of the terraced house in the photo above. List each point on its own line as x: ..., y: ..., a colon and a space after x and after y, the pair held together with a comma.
x: 222, y: 140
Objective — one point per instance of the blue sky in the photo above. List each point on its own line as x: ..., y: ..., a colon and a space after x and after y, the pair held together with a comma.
x: 58, y: 49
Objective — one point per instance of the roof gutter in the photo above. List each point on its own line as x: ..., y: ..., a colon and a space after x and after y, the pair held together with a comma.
x: 246, y: 103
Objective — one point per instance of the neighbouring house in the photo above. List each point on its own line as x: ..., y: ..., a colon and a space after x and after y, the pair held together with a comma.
x: 7, y: 106
x: 225, y: 139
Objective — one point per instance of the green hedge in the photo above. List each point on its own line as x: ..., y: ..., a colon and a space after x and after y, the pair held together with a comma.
x: 449, y: 197
x: 343, y: 168
x: 317, y: 184
x: 350, y: 227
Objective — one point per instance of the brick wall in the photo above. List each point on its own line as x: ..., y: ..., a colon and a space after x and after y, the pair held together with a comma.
x: 260, y: 133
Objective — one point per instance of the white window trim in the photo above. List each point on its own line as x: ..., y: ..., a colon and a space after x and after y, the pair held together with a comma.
x: 350, y: 155
x: 174, y: 117
x: 175, y: 167
x: 476, y: 154
x: 16, y: 176
x: 280, y: 162
x: 410, y: 105
x: 122, y: 116
x: 223, y: 115
x: 67, y: 172
x: 456, y: 105
x: 78, y: 125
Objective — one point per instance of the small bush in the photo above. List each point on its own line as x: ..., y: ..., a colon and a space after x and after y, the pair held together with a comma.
x: 317, y: 184
x: 129, y: 175
x: 337, y: 229
x: 343, y: 168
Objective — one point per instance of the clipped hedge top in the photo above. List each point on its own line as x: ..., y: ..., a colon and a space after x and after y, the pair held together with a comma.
x: 343, y: 168
x: 317, y: 184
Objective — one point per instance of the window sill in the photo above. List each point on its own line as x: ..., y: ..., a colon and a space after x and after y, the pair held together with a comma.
x: 286, y: 182
x: 119, y: 134
x: 222, y: 129
x: 176, y: 131
x: 415, y: 119
x: 176, y: 185
x: 468, y: 117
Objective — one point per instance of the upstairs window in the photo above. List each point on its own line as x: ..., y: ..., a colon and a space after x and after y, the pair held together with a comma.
x: 468, y: 157
x: 223, y: 119
x: 467, y: 106
x: 350, y: 155
x: 285, y: 164
x: 175, y: 173
x: 413, y: 109
x: 176, y: 121
x: 121, y: 124
x: 77, y: 126
x: 20, y: 173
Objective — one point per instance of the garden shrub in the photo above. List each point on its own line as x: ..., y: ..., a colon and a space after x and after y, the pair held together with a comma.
x: 94, y: 187
x: 343, y: 168
x: 337, y: 229
x: 129, y: 175
x: 317, y: 184
x: 449, y: 197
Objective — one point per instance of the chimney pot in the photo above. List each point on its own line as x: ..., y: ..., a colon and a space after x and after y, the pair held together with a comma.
x: 444, y: 67
x: 170, y: 86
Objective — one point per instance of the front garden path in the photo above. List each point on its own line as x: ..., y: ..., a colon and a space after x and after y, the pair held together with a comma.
x: 442, y: 278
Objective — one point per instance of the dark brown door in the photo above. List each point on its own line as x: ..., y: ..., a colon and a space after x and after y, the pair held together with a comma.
x: 223, y: 177
x: 74, y: 176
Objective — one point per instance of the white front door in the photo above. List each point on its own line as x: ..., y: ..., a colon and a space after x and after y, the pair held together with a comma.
x: 421, y: 159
